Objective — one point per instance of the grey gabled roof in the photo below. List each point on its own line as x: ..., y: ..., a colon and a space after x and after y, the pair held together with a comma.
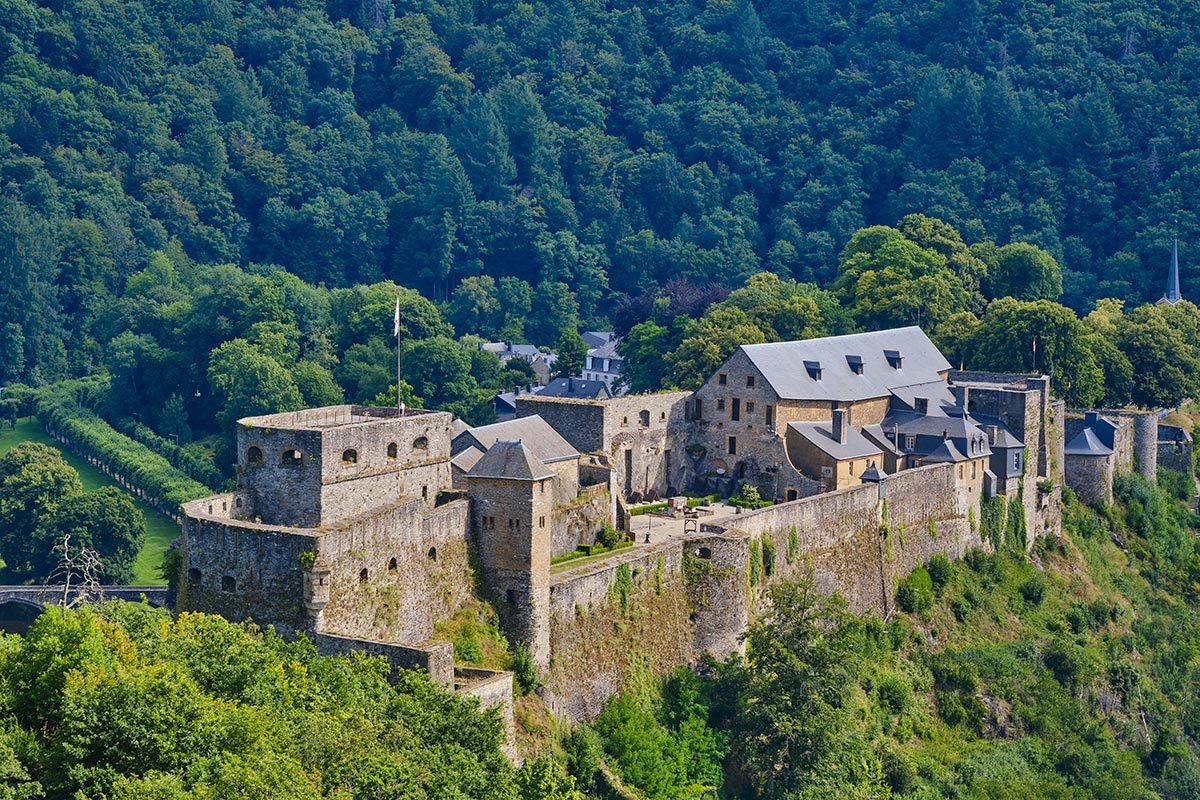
x: 1005, y: 438
x: 576, y: 388
x: 510, y: 461
x: 946, y: 451
x: 467, y: 458
x: 597, y: 338
x: 1087, y: 443
x: 457, y: 427
x: 877, y: 437
x: 820, y: 434
x: 606, y: 350
x: 782, y: 364
x: 542, y: 440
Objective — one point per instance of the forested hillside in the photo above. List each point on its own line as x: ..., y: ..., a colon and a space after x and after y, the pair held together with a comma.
x: 605, y: 147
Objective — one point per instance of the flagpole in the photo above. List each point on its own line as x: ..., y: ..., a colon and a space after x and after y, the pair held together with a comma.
x: 399, y: 350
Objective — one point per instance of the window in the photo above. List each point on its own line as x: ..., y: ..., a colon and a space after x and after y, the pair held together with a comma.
x: 826, y: 472
x: 792, y: 494
x: 704, y: 552
x: 722, y: 379
x: 699, y: 412
x: 392, y: 451
x: 541, y: 522
x: 720, y: 404
x: 254, y: 456
x: 510, y: 597
x: 424, y: 492
x: 349, y: 456
x: 194, y: 576
x: 855, y: 363
x: 363, y: 575
x: 735, y: 413
x: 910, y: 442
x: 770, y: 416
x: 851, y: 467
x: 814, y: 369
x: 733, y: 445
x: 291, y: 458
x: 960, y: 472
x: 420, y: 443
x: 228, y: 584
x: 895, y: 361
x: 974, y: 470
x: 432, y: 554
x: 644, y: 418
x: 392, y: 564
x: 749, y: 381
x: 1017, y: 459
x: 749, y: 406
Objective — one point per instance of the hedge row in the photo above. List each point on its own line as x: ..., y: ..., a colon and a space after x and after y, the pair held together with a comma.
x: 131, y: 463
x: 192, y: 465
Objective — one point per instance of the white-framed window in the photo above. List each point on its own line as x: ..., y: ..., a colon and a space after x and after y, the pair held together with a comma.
x: 910, y: 442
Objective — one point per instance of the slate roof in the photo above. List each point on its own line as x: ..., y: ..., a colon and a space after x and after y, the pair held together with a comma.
x: 946, y: 451
x: 1087, y: 443
x: 467, y: 458
x: 510, y: 460
x: 508, y: 350
x: 877, y: 437
x: 606, y: 350
x: 821, y: 436
x: 873, y: 474
x: 542, y: 440
x: 1005, y: 438
x: 576, y: 388
x: 597, y: 338
x: 912, y: 423
x: 457, y: 427
x: 781, y: 364
x: 936, y: 392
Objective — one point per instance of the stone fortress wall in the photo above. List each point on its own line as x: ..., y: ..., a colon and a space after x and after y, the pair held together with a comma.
x: 366, y: 547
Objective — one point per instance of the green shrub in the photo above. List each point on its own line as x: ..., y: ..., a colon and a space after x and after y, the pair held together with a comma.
x: 608, y: 536
x: 915, y: 593
x: 1033, y: 589
x: 898, y: 771
x: 941, y: 571
x: 768, y: 557
x: 895, y: 692
x: 467, y: 649
x: 960, y: 608
x: 523, y: 669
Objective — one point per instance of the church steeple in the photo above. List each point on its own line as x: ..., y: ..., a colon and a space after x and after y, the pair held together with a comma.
x: 1173, y: 295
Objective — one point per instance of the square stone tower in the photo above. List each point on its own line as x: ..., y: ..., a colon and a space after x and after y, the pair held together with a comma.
x: 512, y: 500
x: 323, y: 466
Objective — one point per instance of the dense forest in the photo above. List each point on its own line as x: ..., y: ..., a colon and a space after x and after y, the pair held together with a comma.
x: 604, y: 148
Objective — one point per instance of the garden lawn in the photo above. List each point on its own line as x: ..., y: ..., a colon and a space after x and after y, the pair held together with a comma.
x: 160, y: 530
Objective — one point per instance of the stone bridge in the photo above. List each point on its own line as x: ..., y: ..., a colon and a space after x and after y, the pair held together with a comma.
x: 41, y: 596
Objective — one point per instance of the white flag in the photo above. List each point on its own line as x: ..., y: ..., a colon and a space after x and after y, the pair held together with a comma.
x: 396, y: 319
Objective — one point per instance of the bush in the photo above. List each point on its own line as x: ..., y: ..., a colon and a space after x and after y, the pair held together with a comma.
x: 523, y: 668
x: 898, y: 771
x: 915, y: 593
x: 895, y: 693
x: 1033, y: 589
x: 608, y: 536
x: 941, y: 571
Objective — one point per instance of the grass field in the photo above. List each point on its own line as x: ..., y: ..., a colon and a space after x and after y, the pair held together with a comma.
x: 160, y: 531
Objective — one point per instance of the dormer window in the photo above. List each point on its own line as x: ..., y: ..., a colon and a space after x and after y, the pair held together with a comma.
x: 921, y: 405
x: 814, y: 369
x: 855, y: 363
x: 894, y: 359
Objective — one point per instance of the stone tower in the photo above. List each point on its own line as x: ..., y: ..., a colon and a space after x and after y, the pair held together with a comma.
x: 512, y: 499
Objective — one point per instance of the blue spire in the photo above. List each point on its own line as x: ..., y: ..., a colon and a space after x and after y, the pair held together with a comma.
x: 1173, y: 295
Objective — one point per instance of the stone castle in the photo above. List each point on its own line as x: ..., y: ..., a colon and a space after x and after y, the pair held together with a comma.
x: 364, y: 528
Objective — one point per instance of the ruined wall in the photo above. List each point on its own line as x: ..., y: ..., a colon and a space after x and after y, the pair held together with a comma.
x: 578, y: 521
x: 436, y: 658
x: 1175, y: 448
x: 418, y: 572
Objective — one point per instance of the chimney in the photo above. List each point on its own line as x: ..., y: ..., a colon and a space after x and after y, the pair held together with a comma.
x: 991, y: 430
x: 962, y: 396
x: 840, y: 426
x: 1091, y: 418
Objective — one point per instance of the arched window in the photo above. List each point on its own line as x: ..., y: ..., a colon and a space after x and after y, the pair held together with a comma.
x: 392, y: 564
x: 392, y: 451
x: 420, y: 443
x: 194, y: 576
x: 254, y: 456
x: 432, y: 554
x: 291, y: 458
x: 363, y: 575
x: 644, y: 418
x: 228, y: 584
x: 704, y: 552
x: 350, y: 456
